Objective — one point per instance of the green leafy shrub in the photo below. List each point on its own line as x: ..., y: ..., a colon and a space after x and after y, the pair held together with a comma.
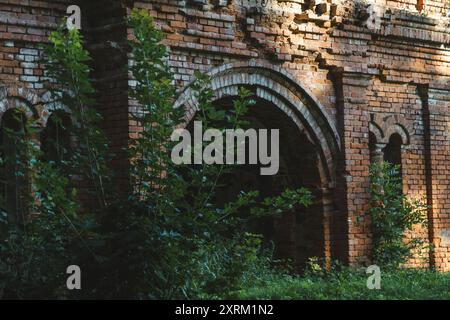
x: 167, y: 238
x: 392, y: 215
x: 66, y: 65
x: 36, y: 250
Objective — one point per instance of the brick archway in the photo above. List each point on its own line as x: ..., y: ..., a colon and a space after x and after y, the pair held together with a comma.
x: 20, y: 98
x: 49, y: 107
x: 383, y: 127
x: 275, y: 85
x: 278, y: 88
x: 39, y: 107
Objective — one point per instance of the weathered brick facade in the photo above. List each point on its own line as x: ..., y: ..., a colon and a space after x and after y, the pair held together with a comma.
x: 348, y: 75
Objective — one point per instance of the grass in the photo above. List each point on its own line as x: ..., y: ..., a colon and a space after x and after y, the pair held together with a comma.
x: 349, y: 284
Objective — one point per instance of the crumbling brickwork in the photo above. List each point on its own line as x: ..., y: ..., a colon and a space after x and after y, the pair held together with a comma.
x: 343, y: 71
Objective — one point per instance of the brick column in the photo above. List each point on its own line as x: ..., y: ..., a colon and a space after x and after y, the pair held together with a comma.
x: 376, y: 153
x: 436, y: 118
x: 354, y: 118
x: 423, y: 93
x: 328, y: 214
x: 106, y: 39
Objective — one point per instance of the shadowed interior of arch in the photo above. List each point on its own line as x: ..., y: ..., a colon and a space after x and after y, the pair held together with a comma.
x: 274, y: 84
x: 55, y: 138
x: 297, y: 235
x: 14, y: 178
x: 393, y: 152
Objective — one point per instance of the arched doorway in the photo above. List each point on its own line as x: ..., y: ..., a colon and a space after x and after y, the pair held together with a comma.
x: 309, y: 149
x: 297, y: 235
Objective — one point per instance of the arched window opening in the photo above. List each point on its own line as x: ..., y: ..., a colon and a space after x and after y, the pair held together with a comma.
x: 55, y: 139
x: 393, y: 151
x: 15, y: 188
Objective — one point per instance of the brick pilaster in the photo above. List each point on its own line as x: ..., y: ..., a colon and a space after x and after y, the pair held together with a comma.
x: 353, y: 118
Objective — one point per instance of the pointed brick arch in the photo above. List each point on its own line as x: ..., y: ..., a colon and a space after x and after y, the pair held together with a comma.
x: 275, y: 85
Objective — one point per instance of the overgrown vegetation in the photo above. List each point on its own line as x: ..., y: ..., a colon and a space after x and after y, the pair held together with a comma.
x: 168, y: 237
x: 393, y: 215
x: 348, y: 284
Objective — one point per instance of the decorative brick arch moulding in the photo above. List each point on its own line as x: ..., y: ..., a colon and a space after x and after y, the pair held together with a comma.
x: 277, y: 86
x: 48, y: 107
x: 20, y: 98
x: 383, y: 127
x: 34, y: 106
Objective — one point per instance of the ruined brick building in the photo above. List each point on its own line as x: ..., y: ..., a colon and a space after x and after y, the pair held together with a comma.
x: 347, y: 82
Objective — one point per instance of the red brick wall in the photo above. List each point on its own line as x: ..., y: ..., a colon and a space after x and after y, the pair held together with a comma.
x: 354, y: 71
x: 23, y: 26
x: 383, y: 65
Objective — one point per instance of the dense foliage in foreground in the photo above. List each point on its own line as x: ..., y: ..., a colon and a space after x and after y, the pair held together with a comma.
x: 166, y: 236
x: 349, y: 284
